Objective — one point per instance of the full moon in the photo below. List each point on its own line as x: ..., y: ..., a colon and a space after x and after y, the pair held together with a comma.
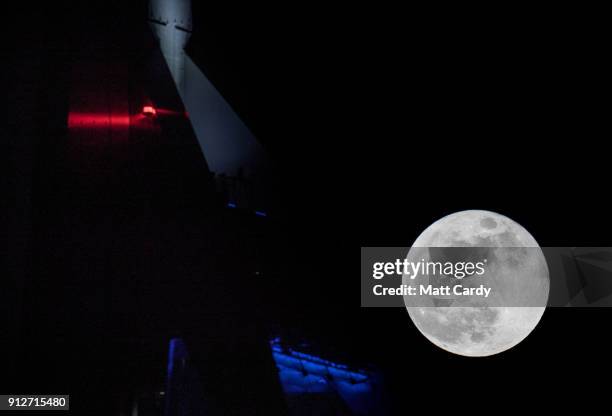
x: 516, y: 271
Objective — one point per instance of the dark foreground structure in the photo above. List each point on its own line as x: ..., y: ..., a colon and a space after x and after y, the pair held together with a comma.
x: 132, y: 245
x: 137, y: 255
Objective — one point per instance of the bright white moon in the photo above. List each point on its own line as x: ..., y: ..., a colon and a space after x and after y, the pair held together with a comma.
x: 483, y: 327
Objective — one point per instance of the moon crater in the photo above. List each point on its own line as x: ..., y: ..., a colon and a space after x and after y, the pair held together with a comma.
x: 516, y: 270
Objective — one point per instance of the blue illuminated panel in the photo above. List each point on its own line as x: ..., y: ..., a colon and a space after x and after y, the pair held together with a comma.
x: 303, y: 374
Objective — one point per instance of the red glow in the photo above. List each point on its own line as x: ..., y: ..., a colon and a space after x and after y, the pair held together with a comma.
x: 97, y: 120
x: 149, y: 110
x: 164, y: 112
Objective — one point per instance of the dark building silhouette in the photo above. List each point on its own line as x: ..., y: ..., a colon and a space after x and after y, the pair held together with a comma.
x: 131, y: 244
x: 141, y: 226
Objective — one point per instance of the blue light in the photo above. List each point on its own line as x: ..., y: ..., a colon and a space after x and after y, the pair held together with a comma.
x: 261, y: 214
x: 171, y: 356
x: 231, y: 205
x: 304, y: 374
x: 176, y: 353
x: 287, y: 358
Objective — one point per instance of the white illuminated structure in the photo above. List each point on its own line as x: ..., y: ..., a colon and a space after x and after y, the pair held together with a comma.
x: 230, y: 149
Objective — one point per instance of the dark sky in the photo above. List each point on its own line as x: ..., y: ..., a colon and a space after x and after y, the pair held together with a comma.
x: 383, y: 120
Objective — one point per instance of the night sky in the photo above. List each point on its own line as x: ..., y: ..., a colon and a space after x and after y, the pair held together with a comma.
x: 379, y: 122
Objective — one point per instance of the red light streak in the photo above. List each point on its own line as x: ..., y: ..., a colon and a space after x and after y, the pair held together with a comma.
x: 97, y: 120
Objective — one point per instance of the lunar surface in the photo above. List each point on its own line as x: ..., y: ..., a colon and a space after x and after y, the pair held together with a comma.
x: 516, y: 271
